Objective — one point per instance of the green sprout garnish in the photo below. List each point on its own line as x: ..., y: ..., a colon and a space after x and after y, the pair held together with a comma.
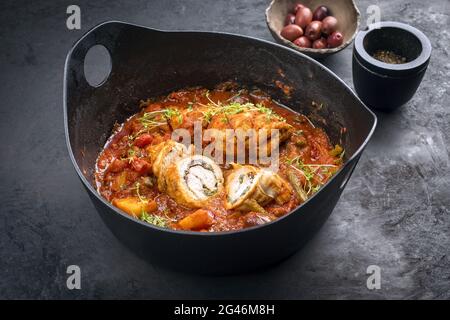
x: 235, y: 108
x: 309, y: 171
x: 154, y: 219
x: 138, y: 193
x: 172, y: 112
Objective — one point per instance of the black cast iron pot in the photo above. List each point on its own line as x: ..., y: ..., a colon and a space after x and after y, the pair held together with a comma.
x: 385, y: 86
x: 149, y: 63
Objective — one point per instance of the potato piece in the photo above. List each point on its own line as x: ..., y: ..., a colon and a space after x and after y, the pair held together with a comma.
x: 119, y: 181
x: 200, y: 219
x: 134, y: 206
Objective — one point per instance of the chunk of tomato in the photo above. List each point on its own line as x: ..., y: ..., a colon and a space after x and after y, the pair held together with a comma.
x: 117, y: 165
x: 143, y: 140
x: 141, y: 166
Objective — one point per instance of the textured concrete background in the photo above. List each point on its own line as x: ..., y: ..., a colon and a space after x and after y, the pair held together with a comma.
x: 395, y: 211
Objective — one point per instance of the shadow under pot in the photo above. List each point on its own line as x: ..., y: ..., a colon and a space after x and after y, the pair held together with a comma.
x: 389, y: 63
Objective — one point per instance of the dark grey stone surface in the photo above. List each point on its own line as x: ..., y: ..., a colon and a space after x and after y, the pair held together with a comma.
x: 394, y: 213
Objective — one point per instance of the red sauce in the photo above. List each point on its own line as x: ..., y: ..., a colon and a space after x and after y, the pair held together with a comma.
x: 124, y: 168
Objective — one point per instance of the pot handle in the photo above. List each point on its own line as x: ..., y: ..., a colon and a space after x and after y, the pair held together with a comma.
x: 105, y: 34
x: 74, y: 68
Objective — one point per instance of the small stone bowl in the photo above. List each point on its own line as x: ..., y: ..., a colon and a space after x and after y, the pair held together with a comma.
x: 386, y: 86
x: 345, y: 12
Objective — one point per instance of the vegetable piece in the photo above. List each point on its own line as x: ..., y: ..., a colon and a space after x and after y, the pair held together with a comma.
x: 141, y: 166
x: 200, y: 219
x: 119, y: 181
x: 295, y: 182
x: 117, y: 165
x: 151, y: 206
x: 134, y: 206
x: 143, y: 140
x: 336, y: 151
x: 254, y: 206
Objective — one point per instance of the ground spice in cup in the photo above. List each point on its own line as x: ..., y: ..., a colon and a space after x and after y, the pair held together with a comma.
x: 389, y: 57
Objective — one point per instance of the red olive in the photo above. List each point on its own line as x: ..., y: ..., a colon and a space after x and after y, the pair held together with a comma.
x: 298, y: 6
x: 303, y: 17
x: 320, y: 43
x: 329, y: 25
x: 303, y: 42
x: 335, y: 39
x: 320, y: 13
x: 314, y: 30
x: 291, y: 32
x: 290, y: 19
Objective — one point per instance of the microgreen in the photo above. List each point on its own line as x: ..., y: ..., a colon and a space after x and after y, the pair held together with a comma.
x: 154, y: 219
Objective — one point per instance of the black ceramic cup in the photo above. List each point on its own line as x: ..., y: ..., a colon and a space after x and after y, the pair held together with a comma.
x: 386, y: 86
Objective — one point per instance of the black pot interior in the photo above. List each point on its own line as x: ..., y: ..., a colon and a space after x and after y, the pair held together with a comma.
x: 148, y: 63
x: 399, y: 41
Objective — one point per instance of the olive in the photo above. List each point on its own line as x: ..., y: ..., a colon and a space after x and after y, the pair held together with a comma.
x: 303, y: 17
x: 303, y: 42
x: 329, y: 25
x: 320, y: 43
x: 314, y: 30
x: 298, y: 6
x: 335, y: 39
x: 320, y: 13
x: 290, y: 19
x: 291, y: 32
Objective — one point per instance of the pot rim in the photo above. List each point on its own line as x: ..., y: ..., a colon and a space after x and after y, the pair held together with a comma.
x: 384, y: 68
x: 385, y: 76
x: 195, y: 233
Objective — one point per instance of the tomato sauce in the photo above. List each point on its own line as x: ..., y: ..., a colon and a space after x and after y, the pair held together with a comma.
x: 124, y: 176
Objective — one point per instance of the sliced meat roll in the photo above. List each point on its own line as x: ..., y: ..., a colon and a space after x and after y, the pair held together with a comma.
x: 193, y: 181
x: 162, y: 156
x: 250, y: 188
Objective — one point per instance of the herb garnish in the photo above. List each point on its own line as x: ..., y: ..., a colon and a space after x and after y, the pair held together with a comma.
x: 309, y: 171
x: 169, y: 113
x: 138, y: 193
x: 236, y: 108
x: 154, y: 219
x: 153, y: 119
